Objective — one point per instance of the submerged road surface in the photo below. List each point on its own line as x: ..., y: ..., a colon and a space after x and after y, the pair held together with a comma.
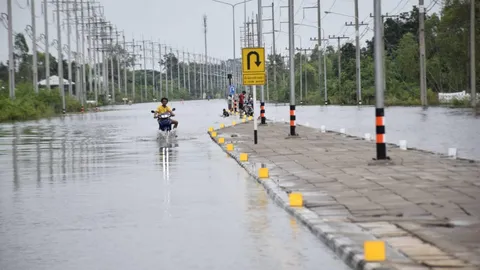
x: 98, y: 191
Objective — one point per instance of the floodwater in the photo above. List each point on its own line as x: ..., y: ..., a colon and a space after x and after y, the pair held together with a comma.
x: 98, y: 191
x: 435, y: 129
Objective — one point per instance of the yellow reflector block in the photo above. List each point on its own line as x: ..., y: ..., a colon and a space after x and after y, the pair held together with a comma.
x: 250, y: 118
x: 229, y: 147
x: 244, y: 116
x: 210, y: 129
x: 263, y: 173
x: 213, y: 134
x: 243, y: 120
x: 374, y: 251
x: 296, y: 199
x: 234, y: 123
x: 243, y: 157
x: 221, y: 140
x: 222, y: 125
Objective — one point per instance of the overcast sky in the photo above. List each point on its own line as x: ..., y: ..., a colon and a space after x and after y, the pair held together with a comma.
x: 179, y: 22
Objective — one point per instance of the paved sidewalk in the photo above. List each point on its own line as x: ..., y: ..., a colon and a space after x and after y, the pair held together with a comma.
x: 426, y: 207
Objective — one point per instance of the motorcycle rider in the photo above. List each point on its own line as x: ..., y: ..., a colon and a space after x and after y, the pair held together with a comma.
x: 163, y: 108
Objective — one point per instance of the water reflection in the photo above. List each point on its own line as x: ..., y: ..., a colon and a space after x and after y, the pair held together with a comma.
x: 50, y: 151
x: 15, y: 158
x: 165, y: 155
x: 294, y: 227
x: 64, y: 159
x: 72, y: 164
x: 39, y: 162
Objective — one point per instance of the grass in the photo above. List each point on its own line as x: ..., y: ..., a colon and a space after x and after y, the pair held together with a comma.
x: 29, y: 105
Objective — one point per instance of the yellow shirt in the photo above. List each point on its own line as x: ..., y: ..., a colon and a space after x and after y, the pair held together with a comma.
x: 161, y: 109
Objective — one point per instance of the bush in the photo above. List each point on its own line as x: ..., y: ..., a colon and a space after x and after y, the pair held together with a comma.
x: 29, y: 105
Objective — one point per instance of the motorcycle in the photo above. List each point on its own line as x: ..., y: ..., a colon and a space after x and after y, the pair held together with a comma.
x: 164, y: 123
x: 248, y: 108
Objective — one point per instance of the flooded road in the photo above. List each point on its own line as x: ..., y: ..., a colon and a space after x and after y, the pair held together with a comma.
x: 98, y: 191
x: 435, y: 129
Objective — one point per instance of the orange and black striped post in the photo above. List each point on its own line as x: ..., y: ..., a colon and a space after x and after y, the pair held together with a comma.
x: 262, y: 113
x: 292, y: 120
x: 379, y: 83
x: 380, y: 130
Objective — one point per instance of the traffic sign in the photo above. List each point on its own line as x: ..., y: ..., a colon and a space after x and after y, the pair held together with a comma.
x: 254, y: 78
x: 232, y: 90
x: 253, y: 60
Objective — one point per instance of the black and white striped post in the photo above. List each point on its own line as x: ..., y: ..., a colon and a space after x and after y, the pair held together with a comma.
x: 291, y: 51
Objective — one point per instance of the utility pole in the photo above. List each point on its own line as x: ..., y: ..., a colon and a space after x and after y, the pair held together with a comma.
x: 421, y: 37
x: 357, y: 52
x: 91, y: 59
x: 117, y: 57
x: 306, y: 74
x: 194, y: 73
x: 319, y: 25
x: 125, y: 66
x: 260, y: 44
x: 301, y: 72
x: 134, y: 66
x: 206, y: 52
x: 34, y: 47
x: 183, y: 70
x: 319, y: 40
x: 60, y: 58
x: 178, y: 70
x: 153, y: 70
x: 188, y: 70
x: 160, y: 63
x: 325, y: 88
x: 166, y: 70
x: 47, y: 44
x: 291, y: 52
x: 473, y: 74
x: 379, y: 82
x: 84, y: 75
x: 111, y: 62
x: 171, y: 70
x: 11, y: 61
x: 92, y: 56
x: 144, y: 92
x: 69, y: 59
x: 339, y: 59
x: 274, y: 52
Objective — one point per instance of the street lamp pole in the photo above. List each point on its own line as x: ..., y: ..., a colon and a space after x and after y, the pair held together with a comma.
x: 233, y: 25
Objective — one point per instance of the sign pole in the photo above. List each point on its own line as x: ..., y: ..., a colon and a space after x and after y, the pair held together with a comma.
x: 229, y: 76
x: 255, y: 124
x: 253, y: 66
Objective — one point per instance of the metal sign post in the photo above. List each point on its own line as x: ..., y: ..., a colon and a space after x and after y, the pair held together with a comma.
x: 253, y: 66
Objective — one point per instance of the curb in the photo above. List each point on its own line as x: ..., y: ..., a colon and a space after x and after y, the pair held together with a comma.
x: 342, y: 246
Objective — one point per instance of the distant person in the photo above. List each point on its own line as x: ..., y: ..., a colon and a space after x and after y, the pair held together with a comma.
x: 241, y: 100
x: 225, y: 113
x: 229, y: 102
